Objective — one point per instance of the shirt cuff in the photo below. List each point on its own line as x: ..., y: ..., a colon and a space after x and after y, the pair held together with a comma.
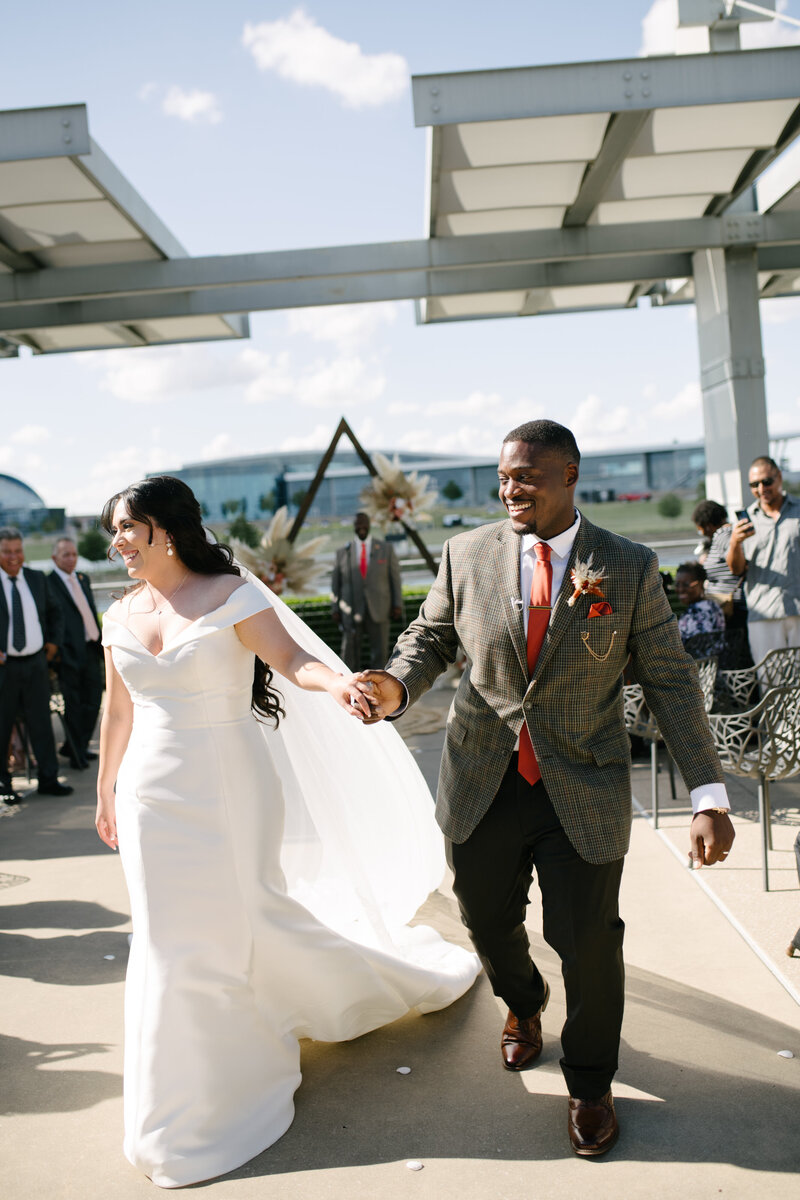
x: 712, y: 795
x: 398, y: 712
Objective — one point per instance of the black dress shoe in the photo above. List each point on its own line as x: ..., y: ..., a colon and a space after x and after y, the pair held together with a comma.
x: 592, y: 1125
x: 9, y: 797
x: 90, y: 754
x: 521, y: 1040
x: 55, y: 789
x: 79, y: 764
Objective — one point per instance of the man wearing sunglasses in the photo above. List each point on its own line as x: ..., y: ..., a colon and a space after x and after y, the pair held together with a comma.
x: 767, y: 546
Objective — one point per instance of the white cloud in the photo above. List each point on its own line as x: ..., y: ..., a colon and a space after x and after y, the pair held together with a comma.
x: 30, y: 435
x: 299, y: 49
x: 597, y: 426
x: 318, y: 439
x: 686, y: 401
x: 111, y: 474
x: 402, y: 408
x: 341, y: 383
x: 347, y: 325
x: 469, y: 440
x: 193, y: 105
x: 221, y: 446
x: 780, y: 310
x: 154, y: 375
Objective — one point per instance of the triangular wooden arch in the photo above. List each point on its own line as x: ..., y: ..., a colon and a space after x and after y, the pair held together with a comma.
x: 325, y: 462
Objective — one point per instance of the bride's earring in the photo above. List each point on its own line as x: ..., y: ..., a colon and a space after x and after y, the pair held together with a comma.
x: 169, y: 549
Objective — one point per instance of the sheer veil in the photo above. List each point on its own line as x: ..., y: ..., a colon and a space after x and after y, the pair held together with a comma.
x: 361, y: 847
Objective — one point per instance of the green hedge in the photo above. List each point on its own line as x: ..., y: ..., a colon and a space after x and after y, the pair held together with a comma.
x: 316, y: 612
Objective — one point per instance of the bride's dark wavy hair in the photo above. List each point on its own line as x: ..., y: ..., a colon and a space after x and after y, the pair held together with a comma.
x: 173, y: 506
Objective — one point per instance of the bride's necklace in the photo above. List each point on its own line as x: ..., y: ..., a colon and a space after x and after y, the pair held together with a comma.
x: 165, y: 600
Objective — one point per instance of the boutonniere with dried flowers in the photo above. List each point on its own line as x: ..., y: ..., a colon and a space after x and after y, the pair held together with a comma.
x: 586, y: 580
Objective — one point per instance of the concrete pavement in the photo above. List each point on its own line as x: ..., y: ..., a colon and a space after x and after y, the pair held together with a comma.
x: 706, y: 1104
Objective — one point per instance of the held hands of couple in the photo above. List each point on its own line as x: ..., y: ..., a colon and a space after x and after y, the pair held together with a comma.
x: 710, y: 838
x: 384, y: 693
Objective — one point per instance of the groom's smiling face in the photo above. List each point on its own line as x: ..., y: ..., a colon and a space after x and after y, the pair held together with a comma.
x: 537, y: 487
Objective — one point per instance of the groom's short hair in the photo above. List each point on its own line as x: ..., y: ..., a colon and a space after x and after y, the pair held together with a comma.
x: 547, y: 433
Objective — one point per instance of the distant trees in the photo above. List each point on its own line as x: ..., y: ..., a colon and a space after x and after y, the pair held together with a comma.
x: 266, y: 501
x: 670, y: 505
x: 93, y: 545
x: 231, y: 507
x: 452, y: 491
x: 241, y: 529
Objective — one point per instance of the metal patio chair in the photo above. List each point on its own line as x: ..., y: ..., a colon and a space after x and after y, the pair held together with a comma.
x: 640, y: 722
x: 761, y: 743
x: 778, y: 668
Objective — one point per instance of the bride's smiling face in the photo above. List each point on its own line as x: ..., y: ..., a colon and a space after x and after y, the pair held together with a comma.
x: 136, y: 544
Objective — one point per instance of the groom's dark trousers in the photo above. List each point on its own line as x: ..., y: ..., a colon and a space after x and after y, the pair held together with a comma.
x: 493, y: 871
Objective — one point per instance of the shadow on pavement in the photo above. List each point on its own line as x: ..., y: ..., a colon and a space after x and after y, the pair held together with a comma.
x: 32, y: 1085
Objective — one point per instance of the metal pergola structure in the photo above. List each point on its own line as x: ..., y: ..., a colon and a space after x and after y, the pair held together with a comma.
x: 553, y: 189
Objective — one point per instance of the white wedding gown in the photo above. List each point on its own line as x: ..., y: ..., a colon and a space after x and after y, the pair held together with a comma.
x: 228, y: 969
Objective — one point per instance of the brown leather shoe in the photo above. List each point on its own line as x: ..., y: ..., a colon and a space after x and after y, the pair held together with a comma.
x: 521, y: 1041
x: 592, y: 1125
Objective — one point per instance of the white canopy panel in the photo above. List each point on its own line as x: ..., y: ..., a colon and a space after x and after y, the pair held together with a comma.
x: 623, y: 143
x: 63, y: 204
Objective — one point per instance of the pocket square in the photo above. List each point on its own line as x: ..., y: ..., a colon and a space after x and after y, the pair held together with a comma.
x: 603, y: 609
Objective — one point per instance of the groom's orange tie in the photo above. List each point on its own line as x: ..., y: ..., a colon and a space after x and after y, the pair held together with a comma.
x: 538, y: 618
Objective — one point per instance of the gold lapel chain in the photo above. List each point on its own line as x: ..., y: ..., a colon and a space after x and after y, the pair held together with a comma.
x: 600, y: 657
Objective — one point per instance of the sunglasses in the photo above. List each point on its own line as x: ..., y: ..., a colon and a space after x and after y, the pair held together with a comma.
x: 762, y: 483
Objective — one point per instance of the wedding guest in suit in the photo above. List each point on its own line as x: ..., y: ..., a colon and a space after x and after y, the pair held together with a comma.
x: 30, y: 630
x: 80, y: 661
x: 366, y: 594
x: 535, y: 773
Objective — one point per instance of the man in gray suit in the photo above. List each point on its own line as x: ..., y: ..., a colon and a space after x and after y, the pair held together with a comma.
x: 535, y: 773
x: 365, y: 594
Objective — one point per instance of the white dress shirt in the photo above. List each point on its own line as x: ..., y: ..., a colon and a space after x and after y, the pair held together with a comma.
x: 34, y: 638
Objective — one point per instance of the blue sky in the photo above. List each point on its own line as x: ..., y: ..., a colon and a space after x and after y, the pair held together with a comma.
x: 249, y: 127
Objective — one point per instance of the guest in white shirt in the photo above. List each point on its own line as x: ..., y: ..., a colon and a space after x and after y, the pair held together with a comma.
x: 30, y: 629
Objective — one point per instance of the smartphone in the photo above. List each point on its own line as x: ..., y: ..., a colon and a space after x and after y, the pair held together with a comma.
x: 742, y: 514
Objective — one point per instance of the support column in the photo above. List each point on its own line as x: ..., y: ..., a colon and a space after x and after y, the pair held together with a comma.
x: 731, y: 369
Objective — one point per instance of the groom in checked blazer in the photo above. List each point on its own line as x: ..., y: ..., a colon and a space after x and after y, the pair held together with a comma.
x: 569, y: 820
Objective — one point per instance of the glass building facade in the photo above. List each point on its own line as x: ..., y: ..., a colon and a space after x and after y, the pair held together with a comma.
x: 254, y: 484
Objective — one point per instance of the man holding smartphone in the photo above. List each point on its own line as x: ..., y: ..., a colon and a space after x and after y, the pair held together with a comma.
x: 765, y: 543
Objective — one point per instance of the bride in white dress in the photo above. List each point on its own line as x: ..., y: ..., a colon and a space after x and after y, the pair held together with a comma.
x: 228, y: 968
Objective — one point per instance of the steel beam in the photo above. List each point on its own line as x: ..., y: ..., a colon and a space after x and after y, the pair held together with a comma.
x: 331, y: 270
x: 618, y: 85
x: 345, y: 289
x: 622, y: 132
x: 44, y: 132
